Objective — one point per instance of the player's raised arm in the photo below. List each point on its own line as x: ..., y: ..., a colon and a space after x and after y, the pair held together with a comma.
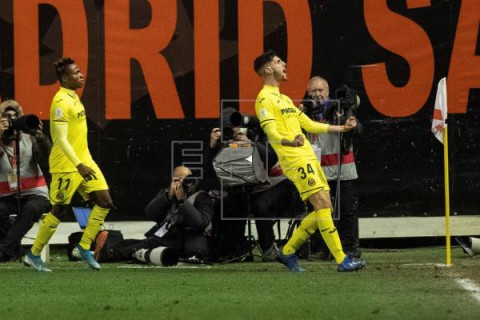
x: 311, y: 126
x: 349, y: 125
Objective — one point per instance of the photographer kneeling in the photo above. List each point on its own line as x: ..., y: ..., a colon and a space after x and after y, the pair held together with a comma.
x: 182, y: 214
x: 20, y: 164
x: 336, y: 155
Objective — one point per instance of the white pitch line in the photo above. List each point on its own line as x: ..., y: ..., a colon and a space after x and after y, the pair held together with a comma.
x: 428, y: 264
x: 179, y: 266
x: 470, y: 286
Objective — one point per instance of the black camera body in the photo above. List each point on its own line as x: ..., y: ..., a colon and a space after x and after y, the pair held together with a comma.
x: 227, y: 132
x: 314, y: 108
x: 27, y: 123
x: 238, y: 119
x: 190, y: 185
x: 346, y: 103
x: 348, y: 99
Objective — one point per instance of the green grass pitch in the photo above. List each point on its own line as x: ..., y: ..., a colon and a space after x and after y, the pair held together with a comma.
x: 396, y: 284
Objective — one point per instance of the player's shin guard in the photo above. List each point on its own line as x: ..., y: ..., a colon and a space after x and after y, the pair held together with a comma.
x: 329, y: 234
x: 306, y: 228
x: 47, y: 228
x: 95, y: 222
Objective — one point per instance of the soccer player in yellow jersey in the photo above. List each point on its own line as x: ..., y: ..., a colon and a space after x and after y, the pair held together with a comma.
x: 72, y: 167
x: 283, y: 124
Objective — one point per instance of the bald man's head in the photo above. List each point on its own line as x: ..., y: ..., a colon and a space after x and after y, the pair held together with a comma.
x: 181, y: 172
x: 318, y: 88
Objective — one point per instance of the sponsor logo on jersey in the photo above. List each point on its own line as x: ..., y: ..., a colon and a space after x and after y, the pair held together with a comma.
x: 288, y: 110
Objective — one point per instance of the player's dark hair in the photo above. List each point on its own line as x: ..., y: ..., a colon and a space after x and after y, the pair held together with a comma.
x: 61, y: 65
x: 263, y: 59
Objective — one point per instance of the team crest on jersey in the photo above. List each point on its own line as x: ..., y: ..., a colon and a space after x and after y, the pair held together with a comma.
x: 60, y: 196
x: 58, y: 113
x: 263, y: 113
x: 311, y: 182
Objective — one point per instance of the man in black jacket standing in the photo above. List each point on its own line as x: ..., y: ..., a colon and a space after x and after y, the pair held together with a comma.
x: 182, y: 215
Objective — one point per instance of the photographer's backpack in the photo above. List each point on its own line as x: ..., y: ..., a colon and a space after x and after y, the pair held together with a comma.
x: 236, y: 165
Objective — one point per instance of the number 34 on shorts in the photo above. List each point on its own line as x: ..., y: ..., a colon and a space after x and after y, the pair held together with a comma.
x: 309, y: 176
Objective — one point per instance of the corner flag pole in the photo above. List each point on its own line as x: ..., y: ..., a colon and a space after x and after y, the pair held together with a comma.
x: 447, y: 195
x: 440, y: 130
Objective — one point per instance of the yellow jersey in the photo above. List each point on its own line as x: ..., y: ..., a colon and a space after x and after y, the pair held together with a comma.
x: 66, y: 107
x: 274, y: 108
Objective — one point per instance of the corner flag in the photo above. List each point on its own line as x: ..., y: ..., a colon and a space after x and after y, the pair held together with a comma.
x: 440, y: 111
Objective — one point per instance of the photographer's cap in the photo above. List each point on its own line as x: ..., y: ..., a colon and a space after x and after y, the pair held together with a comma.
x: 11, y: 105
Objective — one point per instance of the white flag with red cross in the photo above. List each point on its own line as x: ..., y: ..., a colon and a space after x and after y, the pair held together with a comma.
x: 440, y: 111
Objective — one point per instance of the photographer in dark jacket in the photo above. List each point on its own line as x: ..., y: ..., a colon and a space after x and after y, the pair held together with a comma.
x: 34, y: 150
x: 182, y: 215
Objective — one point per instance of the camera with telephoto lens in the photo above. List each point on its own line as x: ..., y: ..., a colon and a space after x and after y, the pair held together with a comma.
x: 346, y: 103
x: 348, y: 98
x: 349, y: 101
x: 314, y: 108
x: 238, y: 119
x: 248, y: 121
x: 27, y: 123
x: 227, y: 132
x: 344, y: 106
x: 190, y: 185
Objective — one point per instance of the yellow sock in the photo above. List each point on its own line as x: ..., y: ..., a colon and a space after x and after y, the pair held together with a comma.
x: 329, y: 234
x: 47, y: 228
x: 306, y: 228
x: 95, y: 222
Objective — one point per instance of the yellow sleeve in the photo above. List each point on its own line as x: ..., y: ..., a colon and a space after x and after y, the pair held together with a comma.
x: 61, y: 131
x: 264, y: 110
x: 272, y: 133
x: 266, y: 114
x: 311, y: 126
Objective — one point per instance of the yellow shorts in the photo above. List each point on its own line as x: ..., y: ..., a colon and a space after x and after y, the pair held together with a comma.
x: 64, y: 185
x: 308, y: 177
